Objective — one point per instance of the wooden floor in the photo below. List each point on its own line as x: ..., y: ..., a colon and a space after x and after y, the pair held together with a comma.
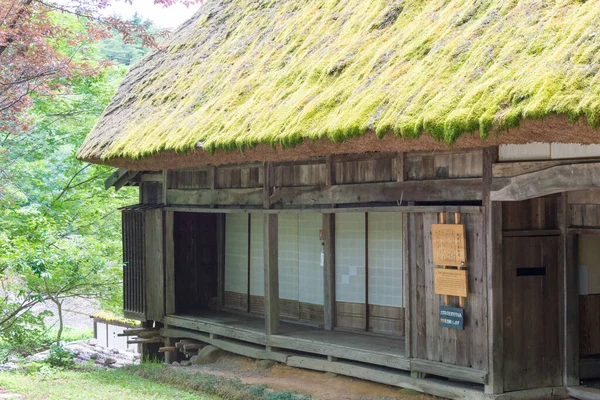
x: 302, y: 338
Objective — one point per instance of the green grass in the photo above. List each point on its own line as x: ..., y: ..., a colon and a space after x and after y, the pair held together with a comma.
x: 92, y: 384
x: 147, y: 381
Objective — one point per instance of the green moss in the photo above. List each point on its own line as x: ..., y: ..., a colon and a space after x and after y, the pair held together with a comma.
x: 281, y: 72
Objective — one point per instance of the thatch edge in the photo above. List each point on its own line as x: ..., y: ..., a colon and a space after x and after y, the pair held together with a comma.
x: 552, y: 129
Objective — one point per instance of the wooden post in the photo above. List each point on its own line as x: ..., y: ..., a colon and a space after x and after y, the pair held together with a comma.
x: 443, y: 221
x: 407, y: 285
x: 165, y: 186
x: 221, y: 260
x: 170, y: 356
x: 461, y: 300
x: 493, y: 244
x: 329, y: 270
x: 570, y: 298
x: 400, y: 170
x: 169, y: 262
x: 271, y: 274
x: 268, y: 172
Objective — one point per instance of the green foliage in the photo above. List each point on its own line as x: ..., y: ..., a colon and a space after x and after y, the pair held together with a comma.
x: 115, y: 49
x: 27, y: 335
x: 60, y: 357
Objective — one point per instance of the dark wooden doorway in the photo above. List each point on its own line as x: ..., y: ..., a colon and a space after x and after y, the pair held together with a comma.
x: 531, y: 312
x: 195, y: 244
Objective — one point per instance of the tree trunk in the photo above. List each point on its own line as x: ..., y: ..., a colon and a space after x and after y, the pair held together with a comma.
x: 60, y: 320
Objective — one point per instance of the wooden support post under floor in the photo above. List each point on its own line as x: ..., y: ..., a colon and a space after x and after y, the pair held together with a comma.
x: 271, y: 274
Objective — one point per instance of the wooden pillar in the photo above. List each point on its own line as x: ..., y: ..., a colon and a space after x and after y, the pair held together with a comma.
x: 493, y: 243
x: 407, y: 285
x: 569, y: 298
x: 271, y: 274
x: 165, y: 186
x: 329, y: 270
x: 221, y: 260
x: 169, y: 262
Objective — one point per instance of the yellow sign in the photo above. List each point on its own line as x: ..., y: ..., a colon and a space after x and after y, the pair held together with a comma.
x: 451, y: 282
x: 449, y: 244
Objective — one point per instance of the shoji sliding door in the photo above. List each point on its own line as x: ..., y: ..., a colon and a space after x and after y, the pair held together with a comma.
x: 368, y: 272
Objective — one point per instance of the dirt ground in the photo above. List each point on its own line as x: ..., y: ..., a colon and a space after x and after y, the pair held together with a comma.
x: 318, y: 385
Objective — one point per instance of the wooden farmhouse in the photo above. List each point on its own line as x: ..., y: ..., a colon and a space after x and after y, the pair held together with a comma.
x: 401, y: 191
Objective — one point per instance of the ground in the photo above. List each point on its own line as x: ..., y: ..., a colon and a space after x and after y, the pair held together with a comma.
x: 318, y: 385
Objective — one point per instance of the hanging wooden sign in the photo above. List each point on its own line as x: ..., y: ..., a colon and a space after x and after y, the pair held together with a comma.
x: 449, y: 246
x: 451, y: 282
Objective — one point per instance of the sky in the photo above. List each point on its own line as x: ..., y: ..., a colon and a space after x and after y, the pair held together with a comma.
x: 170, y: 17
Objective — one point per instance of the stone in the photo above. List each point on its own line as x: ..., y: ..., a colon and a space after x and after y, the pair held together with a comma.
x: 175, y: 363
x: 185, y: 363
x: 94, y: 356
x: 207, y: 355
x: 265, y: 364
x: 109, y: 361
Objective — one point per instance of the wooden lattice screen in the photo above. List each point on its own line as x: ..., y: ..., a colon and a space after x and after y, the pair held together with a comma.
x: 133, y: 264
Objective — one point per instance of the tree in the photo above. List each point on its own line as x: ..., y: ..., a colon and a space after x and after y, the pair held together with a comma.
x: 59, y: 230
x: 33, y: 59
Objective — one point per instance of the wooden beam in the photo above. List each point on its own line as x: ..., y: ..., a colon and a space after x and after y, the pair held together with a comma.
x: 328, y: 210
x: 583, y: 393
x: 329, y: 270
x: 152, y: 177
x: 493, y: 257
x: 271, y: 274
x: 591, y: 196
x: 510, y: 169
x: 451, y: 371
x: 245, y: 196
x: 560, y: 178
x: 432, y: 190
x: 169, y: 262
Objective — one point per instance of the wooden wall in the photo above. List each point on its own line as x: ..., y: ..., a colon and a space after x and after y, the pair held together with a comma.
x: 465, y: 164
x: 429, y: 341
x: 589, y: 325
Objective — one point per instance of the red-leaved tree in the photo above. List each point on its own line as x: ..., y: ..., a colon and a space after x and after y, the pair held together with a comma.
x: 31, y: 62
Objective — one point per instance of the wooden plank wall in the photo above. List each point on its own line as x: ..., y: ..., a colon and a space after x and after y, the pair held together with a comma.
x: 585, y: 215
x: 429, y: 341
x: 151, y: 193
x: 465, y: 164
x: 589, y: 325
x: 529, y: 215
x: 154, y: 271
x: 217, y: 178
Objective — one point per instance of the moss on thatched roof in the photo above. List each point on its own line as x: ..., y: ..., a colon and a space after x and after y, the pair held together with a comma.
x: 242, y: 73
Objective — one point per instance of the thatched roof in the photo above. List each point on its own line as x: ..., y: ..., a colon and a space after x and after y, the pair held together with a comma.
x: 244, y: 73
